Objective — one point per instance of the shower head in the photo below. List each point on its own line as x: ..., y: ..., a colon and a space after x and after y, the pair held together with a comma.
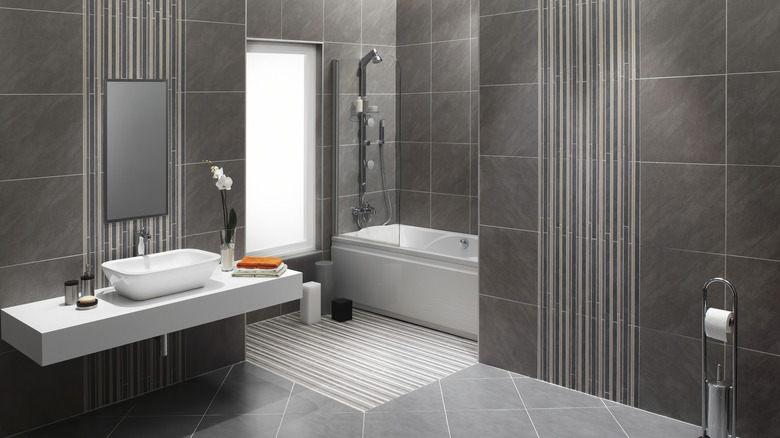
x: 372, y: 56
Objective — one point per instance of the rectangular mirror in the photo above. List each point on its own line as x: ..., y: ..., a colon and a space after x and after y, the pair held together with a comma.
x: 136, y: 154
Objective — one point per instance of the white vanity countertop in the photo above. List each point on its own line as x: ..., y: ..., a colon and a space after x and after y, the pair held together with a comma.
x: 48, y: 331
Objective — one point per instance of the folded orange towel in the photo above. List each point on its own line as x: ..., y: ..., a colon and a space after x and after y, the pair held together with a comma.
x: 259, y: 263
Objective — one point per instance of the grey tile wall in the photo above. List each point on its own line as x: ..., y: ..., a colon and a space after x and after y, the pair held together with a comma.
x: 508, y: 201
x: 731, y: 177
x: 41, y: 188
x: 439, y: 69
x: 709, y: 190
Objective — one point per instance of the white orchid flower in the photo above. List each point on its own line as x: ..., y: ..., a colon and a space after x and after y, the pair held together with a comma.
x: 218, y: 172
x: 224, y: 182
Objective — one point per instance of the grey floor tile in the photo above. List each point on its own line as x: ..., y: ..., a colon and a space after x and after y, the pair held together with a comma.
x: 427, y: 398
x: 490, y: 424
x: 305, y: 401
x: 321, y: 424
x: 405, y: 425
x: 642, y: 424
x: 157, y: 427
x: 479, y: 371
x: 82, y: 426
x: 540, y: 395
x: 478, y: 394
x: 241, y: 426
x: 246, y: 372
x: 251, y: 398
x: 578, y: 422
x: 191, y: 397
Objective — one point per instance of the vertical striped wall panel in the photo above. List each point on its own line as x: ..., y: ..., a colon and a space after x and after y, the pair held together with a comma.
x: 588, y: 150
x: 130, y: 39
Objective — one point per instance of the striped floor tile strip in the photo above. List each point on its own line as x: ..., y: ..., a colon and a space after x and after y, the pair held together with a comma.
x: 362, y: 363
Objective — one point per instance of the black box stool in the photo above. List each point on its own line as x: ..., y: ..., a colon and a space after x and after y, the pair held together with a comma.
x: 342, y: 309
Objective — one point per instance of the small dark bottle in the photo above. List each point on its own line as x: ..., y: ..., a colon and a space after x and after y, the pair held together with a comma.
x: 87, y: 286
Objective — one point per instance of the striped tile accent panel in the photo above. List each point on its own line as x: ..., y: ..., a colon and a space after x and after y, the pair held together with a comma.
x: 589, y: 199
x: 129, y: 39
x: 362, y: 363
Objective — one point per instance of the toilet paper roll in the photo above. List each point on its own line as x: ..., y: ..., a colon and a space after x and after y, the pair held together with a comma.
x: 717, y: 323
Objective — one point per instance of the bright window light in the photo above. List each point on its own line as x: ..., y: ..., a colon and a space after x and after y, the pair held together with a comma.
x: 280, y: 148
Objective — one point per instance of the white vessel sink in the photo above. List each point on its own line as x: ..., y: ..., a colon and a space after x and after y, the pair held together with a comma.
x: 156, y: 275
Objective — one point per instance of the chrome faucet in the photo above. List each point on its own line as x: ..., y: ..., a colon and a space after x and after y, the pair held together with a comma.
x: 143, y: 234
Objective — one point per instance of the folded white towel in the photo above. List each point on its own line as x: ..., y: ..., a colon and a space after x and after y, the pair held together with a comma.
x: 276, y: 272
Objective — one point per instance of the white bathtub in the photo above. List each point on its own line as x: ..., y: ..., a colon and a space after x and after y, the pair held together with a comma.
x: 415, y: 274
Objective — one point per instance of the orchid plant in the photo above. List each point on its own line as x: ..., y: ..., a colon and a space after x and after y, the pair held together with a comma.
x: 224, y: 183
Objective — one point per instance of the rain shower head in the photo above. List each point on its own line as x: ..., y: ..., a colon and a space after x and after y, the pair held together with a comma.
x: 372, y: 57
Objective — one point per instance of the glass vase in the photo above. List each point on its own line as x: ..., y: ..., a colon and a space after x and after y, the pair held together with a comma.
x: 227, y: 248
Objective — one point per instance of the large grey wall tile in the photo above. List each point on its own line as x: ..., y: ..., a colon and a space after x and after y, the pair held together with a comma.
x: 348, y: 170
x: 416, y: 117
x: 451, y: 19
x: 45, y: 5
x: 508, y: 120
x: 42, y: 219
x: 754, y: 35
x: 450, y: 117
x: 36, y: 395
x: 42, y: 136
x: 416, y: 68
x: 416, y: 166
x: 682, y: 120
x: 450, y: 167
x: 40, y: 52
x: 669, y: 286
x: 214, y: 345
x: 508, y: 48
x: 214, y: 126
x: 41, y: 280
x: 507, y: 335
x: 264, y: 18
x: 451, y: 66
x: 415, y: 208
x: 757, y: 394
x: 226, y: 11
x: 758, y: 285
x: 670, y: 375
x: 753, y: 112
x: 753, y: 212
x: 474, y: 42
x: 341, y: 21
x: 413, y: 19
x: 683, y: 206
x: 379, y: 18
x: 508, y: 264
x: 682, y: 37
x: 450, y: 213
x: 348, y: 56
x: 490, y: 7
x: 215, y: 57
x: 508, y: 193
x: 202, y: 200
x: 302, y: 20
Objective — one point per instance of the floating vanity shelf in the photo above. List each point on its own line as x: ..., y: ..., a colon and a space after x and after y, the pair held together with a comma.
x: 49, y: 331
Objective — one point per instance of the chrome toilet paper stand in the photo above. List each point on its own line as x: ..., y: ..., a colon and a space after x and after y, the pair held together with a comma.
x: 716, y: 396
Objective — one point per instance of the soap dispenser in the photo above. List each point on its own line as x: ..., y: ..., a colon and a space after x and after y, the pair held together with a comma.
x: 87, y: 286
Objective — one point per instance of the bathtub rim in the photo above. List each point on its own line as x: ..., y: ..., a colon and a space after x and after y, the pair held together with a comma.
x: 381, y: 246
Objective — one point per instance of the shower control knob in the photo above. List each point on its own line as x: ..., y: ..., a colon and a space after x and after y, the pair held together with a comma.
x: 370, y: 164
x: 370, y: 122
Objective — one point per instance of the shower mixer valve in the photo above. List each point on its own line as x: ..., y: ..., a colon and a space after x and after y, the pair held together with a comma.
x: 365, y: 211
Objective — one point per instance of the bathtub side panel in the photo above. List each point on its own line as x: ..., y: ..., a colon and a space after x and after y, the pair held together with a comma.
x: 427, y: 292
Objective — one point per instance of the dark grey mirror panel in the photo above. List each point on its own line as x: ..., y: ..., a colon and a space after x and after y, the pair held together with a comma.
x: 136, y: 159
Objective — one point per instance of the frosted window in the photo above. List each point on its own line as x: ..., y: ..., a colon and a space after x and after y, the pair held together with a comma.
x: 280, y: 147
